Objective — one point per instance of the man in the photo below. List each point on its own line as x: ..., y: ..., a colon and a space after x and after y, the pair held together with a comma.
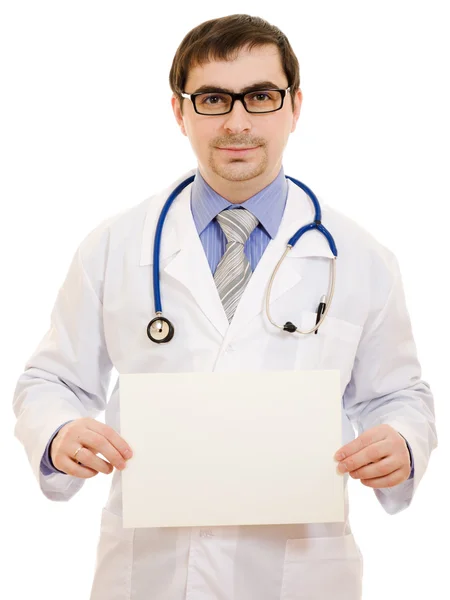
x: 216, y: 262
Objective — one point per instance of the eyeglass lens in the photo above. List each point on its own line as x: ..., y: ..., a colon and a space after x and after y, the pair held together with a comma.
x: 216, y: 103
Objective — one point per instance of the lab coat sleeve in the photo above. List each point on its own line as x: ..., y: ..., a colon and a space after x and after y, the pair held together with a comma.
x: 386, y: 385
x: 68, y: 375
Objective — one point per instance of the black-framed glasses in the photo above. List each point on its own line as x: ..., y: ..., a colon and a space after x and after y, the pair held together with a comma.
x: 221, y: 103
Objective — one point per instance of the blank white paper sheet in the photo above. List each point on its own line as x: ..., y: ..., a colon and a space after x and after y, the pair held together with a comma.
x: 217, y: 449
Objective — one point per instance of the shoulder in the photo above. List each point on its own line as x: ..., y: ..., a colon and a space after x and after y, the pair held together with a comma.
x: 353, y: 241
x: 125, y: 228
x: 117, y: 229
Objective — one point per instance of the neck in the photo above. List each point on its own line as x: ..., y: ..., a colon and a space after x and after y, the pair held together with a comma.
x: 238, y: 192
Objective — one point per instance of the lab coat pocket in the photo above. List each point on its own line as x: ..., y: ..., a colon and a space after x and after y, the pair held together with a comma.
x: 333, y: 347
x: 322, y: 569
x: 112, y: 579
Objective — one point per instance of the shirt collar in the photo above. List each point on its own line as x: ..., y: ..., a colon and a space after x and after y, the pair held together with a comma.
x: 267, y: 205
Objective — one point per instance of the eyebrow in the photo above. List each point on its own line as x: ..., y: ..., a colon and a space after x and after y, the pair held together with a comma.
x: 259, y: 85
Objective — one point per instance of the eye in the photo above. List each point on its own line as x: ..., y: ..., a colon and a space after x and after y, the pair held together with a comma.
x: 212, y: 99
x: 261, y: 96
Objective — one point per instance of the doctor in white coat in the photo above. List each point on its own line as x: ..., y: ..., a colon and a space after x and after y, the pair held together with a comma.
x: 100, y: 319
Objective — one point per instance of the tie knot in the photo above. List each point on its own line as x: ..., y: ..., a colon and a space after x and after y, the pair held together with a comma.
x: 237, y: 224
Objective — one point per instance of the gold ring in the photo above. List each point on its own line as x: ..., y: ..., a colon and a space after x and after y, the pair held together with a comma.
x: 75, y: 455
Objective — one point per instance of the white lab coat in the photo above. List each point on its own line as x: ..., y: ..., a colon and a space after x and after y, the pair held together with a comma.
x: 99, y: 322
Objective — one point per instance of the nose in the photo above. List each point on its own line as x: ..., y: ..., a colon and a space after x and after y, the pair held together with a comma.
x: 238, y: 119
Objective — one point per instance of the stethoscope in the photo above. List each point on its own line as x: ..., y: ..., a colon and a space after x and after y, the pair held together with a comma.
x: 160, y: 330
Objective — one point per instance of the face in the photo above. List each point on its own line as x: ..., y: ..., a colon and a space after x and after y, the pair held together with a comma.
x: 264, y: 136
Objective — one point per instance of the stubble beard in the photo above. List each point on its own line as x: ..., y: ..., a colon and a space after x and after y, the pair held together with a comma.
x: 238, y: 169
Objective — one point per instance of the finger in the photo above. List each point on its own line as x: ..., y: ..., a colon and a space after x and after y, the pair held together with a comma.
x: 88, y: 459
x: 97, y: 443
x: 69, y: 466
x: 371, y: 436
x: 380, y: 469
x: 395, y: 478
x: 370, y: 454
x: 112, y: 436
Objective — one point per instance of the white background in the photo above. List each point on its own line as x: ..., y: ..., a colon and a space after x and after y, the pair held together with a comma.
x: 87, y: 131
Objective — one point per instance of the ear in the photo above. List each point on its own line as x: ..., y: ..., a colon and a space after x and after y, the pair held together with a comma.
x: 297, y: 106
x: 178, y: 114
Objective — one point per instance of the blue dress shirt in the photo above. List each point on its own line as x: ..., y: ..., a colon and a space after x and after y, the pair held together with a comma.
x: 267, y: 206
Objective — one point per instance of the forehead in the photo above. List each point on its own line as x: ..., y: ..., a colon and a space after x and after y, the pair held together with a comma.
x: 258, y: 64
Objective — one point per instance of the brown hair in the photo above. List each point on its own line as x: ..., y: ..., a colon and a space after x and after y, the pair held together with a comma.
x: 222, y: 39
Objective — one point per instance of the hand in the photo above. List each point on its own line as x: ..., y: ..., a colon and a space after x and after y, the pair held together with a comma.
x: 94, y: 437
x: 379, y: 458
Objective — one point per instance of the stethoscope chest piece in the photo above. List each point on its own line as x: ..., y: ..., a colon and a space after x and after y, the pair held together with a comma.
x: 160, y: 330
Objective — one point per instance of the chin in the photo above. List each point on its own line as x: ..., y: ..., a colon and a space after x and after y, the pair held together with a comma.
x: 239, y: 170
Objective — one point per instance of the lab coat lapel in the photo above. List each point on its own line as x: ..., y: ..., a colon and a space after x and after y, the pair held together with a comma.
x: 298, y: 212
x: 183, y: 257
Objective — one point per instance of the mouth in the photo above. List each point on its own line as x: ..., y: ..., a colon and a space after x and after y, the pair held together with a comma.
x: 238, y: 149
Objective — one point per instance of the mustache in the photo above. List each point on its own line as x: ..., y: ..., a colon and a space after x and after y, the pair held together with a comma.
x: 222, y: 142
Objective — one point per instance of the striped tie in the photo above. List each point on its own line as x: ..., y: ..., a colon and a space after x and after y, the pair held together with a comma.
x: 233, y: 271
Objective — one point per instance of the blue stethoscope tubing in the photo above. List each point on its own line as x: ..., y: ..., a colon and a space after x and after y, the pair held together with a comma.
x: 316, y: 224
x: 157, y: 242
